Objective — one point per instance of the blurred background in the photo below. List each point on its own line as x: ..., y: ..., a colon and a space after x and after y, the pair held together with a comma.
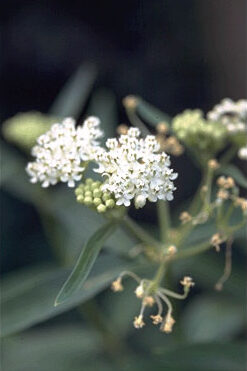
x: 176, y: 55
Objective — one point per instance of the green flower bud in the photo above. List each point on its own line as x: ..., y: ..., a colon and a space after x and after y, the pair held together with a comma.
x: 24, y: 128
x: 97, y: 201
x: 80, y: 199
x: 89, y: 181
x: 95, y: 185
x: 97, y: 192
x: 101, y: 208
x: 88, y: 201
x: 106, y: 196
x: 87, y: 188
x: 110, y: 203
x: 199, y: 134
x: 88, y: 194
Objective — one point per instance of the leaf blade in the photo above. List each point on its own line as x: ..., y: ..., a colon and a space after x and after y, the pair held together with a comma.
x: 74, y: 94
x: 85, y: 262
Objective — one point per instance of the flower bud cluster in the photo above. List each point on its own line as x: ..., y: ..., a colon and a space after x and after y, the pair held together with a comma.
x: 24, y: 128
x: 62, y: 151
x: 90, y: 194
x: 134, y: 169
x: 197, y: 133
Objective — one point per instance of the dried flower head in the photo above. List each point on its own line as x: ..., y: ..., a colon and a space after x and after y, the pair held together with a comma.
x: 242, y: 202
x: 226, y: 182
x: 223, y: 194
x: 156, y: 319
x: 213, y: 164
x: 138, y: 322
x: 187, y: 282
x: 62, y: 151
x: 162, y: 128
x: 116, y: 285
x: 139, y: 291
x: 185, y: 217
x: 148, y: 301
x: 134, y: 169
x: 172, y: 250
x: 168, y: 323
x: 130, y: 102
x: 122, y: 129
x: 216, y: 241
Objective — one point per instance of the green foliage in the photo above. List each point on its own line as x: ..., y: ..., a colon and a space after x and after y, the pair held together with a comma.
x: 75, y: 93
x: 235, y: 173
x: 208, y: 330
x: 28, y: 296
x: 150, y: 114
x: 85, y: 262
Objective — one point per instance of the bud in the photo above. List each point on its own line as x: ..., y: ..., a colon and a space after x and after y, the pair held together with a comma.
x: 140, y: 201
x: 130, y: 102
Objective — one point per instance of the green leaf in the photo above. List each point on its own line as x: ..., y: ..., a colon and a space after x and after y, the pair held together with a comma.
x: 235, y: 173
x: 103, y: 105
x: 151, y: 114
x: 207, y: 268
x: 51, y: 348
x: 204, y: 357
x: 72, y: 98
x: 28, y: 296
x: 85, y: 262
x: 212, y: 318
x: 14, y: 178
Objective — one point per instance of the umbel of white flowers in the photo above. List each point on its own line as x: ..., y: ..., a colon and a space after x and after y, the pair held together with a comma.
x: 132, y: 167
x: 62, y: 152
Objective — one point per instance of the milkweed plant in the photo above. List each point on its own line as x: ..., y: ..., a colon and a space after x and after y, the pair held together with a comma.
x: 133, y: 169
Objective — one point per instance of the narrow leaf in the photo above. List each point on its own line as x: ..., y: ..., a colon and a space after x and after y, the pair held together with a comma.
x: 151, y: 114
x: 28, y: 295
x: 73, y: 96
x: 236, y: 173
x: 85, y: 262
x: 103, y: 105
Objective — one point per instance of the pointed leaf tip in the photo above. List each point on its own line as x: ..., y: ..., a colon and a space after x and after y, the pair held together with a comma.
x: 85, y: 262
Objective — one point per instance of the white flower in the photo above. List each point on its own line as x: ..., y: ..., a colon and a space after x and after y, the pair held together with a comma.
x: 231, y: 114
x: 242, y: 153
x: 60, y: 152
x: 134, y: 169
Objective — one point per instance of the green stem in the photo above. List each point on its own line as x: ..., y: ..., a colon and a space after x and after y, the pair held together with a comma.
x: 228, y: 155
x: 164, y: 219
x: 135, y: 121
x: 140, y: 233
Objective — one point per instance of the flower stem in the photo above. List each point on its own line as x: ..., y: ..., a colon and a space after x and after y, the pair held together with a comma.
x: 135, y: 121
x: 164, y: 219
x: 140, y: 233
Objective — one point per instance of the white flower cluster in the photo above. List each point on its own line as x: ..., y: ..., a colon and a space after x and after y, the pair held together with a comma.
x: 60, y: 152
x: 231, y: 114
x: 134, y: 169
